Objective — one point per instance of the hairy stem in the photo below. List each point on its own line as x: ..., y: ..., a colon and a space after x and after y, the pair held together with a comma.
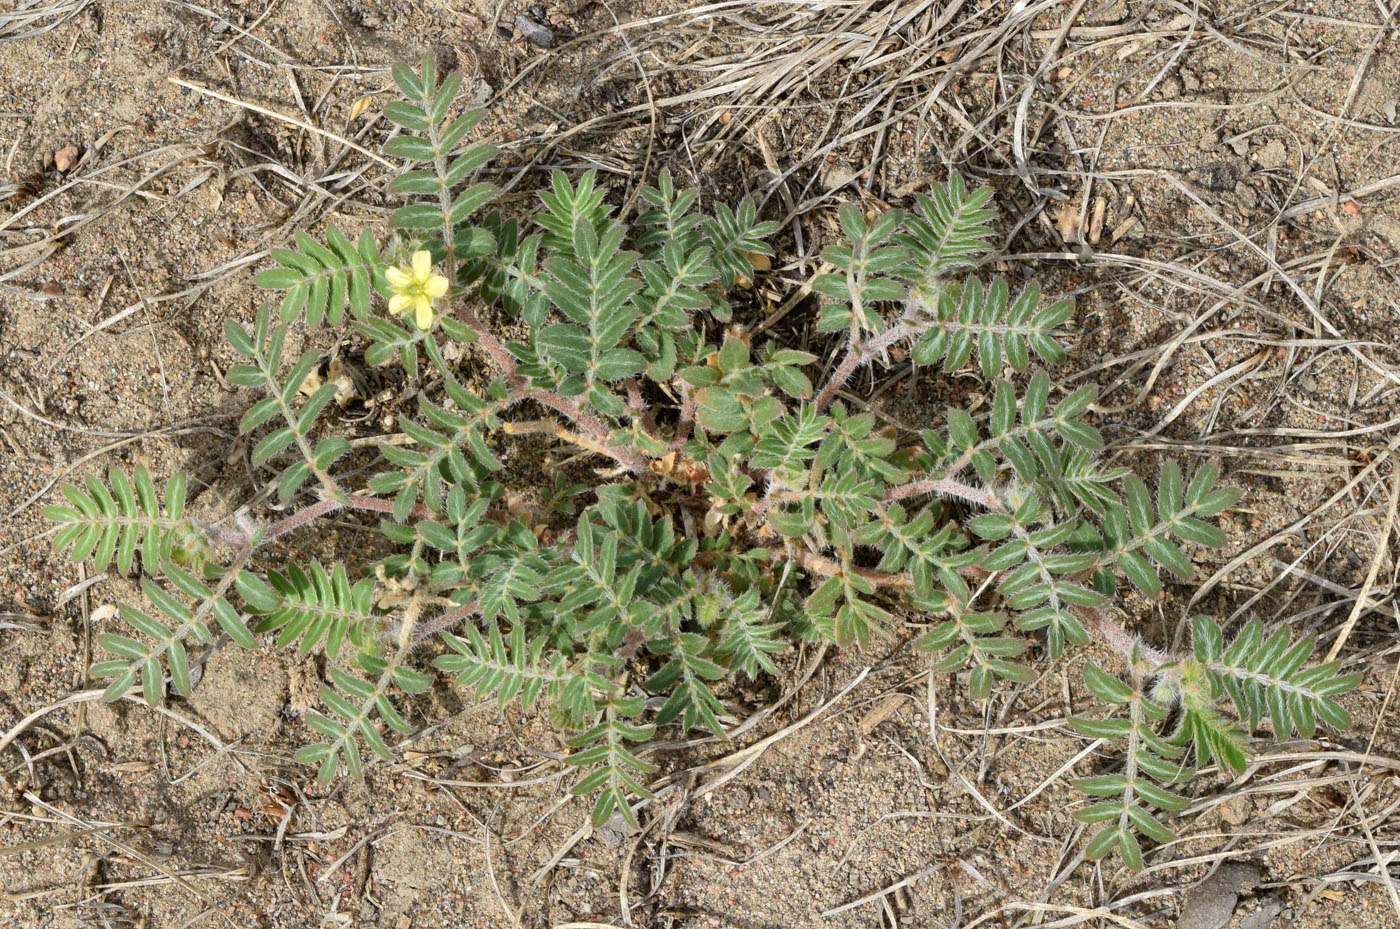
x: 1123, y: 642
x: 1130, y: 769
x: 546, y: 427
x: 860, y: 353
x: 218, y: 535
x: 323, y: 507
x: 828, y: 567
x: 597, y: 429
x: 301, y: 517
x: 499, y: 355
x: 445, y: 621
x: 948, y: 487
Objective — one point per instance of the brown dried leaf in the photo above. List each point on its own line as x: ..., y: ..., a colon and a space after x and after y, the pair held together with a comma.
x: 1067, y: 221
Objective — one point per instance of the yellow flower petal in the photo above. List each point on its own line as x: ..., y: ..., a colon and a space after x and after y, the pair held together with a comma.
x: 424, y: 317
x: 436, y: 286
x: 422, y: 264
x: 400, y: 303
x: 396, y: 277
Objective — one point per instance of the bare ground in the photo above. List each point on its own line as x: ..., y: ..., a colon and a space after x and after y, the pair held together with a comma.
x: 1216, y: 184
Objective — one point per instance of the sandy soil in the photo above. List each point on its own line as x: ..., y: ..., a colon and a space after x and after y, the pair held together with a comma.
x: 1215, y: 184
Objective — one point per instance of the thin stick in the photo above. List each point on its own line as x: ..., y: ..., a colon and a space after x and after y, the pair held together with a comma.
x: 1362, y: 596
x: 884, y: 891
x: 496, y: 887
x: 84, y: 696
x: 1382, y: 862
x: 749, y: 755
x: 291, y: 120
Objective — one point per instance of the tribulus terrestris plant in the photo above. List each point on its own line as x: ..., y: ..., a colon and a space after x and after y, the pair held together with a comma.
x: 734, y: 509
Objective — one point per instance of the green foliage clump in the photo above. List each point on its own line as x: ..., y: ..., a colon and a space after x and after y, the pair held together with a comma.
x: 735, y: 507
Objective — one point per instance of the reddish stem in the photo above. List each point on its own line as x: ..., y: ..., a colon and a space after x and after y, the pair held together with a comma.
x: 445, y: 621
x: 857, y: 354
x: 301, y: 518
x: 355, y: 501
x: 580, y: 417
x: 587, y: 422
x: 493, y: 345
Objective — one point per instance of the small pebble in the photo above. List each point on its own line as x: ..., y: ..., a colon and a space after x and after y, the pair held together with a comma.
x: 1211, y: 903
x: 65, y: 158
x: 1263, y: 918
x: 533, y: 32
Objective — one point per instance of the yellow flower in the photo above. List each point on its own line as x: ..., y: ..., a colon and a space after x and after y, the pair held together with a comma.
x: 415, y: 289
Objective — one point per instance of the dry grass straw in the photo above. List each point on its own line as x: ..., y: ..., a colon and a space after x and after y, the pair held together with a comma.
x: 31, y: 18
